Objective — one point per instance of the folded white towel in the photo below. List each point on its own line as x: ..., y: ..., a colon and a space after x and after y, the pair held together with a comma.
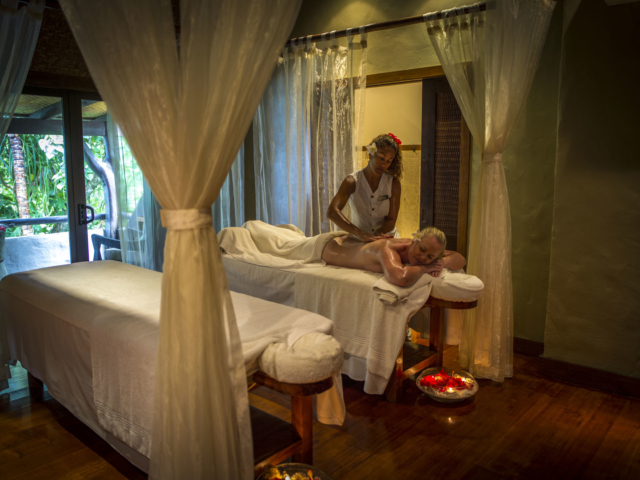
x: 390, y: 294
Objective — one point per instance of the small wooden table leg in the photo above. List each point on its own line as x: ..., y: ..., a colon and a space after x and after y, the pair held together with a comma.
x: 436, y: 333
x: 302, y: 420
x: 393, y: 392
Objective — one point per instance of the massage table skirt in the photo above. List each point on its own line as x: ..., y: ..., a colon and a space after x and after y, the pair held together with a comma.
x: 49, y: 323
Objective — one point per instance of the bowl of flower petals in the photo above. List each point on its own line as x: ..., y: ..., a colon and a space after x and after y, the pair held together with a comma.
x: 293, y: 471
x: 447, y: 386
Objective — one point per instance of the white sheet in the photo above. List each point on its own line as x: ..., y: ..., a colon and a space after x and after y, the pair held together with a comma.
x: 284, y: 246
x: 116, y: 306
x: 364, y: 326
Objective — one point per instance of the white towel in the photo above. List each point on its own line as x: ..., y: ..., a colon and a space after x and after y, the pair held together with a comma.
x: 390, y: 294
x: 283, y: 246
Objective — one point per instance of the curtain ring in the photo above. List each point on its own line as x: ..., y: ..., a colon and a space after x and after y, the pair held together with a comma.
x: 363, y: 35
x: 333, y: 38
x: 323, y: 39
x: 349, y: 38
x: 309, y: 42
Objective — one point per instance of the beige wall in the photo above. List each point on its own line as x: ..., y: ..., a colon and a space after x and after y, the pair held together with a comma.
x: 396, y: 109
x: 594, y: 292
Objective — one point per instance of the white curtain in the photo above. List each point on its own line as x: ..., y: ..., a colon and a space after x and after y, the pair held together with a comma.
x: 308, y: 131
x: 490, y: 59
x: 184, y: 114
x: 141, y: 234
x: 228, y: 209
x: 19, y: 29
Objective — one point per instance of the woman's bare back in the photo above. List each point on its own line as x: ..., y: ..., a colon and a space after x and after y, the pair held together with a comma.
x: 350, y: 252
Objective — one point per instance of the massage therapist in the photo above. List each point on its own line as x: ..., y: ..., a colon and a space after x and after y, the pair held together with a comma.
x: 373, y: 193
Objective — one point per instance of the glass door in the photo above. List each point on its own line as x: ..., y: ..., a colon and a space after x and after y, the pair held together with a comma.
x: 100, y: 210
x: 57, y: 187
x: 34, y: 199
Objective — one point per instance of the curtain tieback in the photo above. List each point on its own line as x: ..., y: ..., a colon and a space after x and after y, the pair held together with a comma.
x: 187, y: 219
x: 491, y: 157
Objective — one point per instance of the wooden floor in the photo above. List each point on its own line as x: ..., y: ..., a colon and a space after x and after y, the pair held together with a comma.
x: 529, y: 427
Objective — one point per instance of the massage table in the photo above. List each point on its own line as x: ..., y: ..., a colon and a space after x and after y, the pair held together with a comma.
x: 395, y: 360
x: 89, y: 331
x: 282, y: 265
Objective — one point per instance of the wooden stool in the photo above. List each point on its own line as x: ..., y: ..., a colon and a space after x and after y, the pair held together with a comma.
x: 275, y: 440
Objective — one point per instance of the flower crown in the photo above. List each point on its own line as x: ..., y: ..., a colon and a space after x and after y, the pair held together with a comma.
x: 395, y: 139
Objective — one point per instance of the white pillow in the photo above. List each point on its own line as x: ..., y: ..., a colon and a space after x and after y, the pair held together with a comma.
x: 314, y: 357
x: 457, y: 287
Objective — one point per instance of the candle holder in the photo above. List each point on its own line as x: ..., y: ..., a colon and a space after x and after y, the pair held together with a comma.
x: 447, y: 386
x: 293, y: 471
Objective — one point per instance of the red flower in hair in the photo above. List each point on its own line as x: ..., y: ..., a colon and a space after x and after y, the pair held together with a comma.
x: 395, y: 139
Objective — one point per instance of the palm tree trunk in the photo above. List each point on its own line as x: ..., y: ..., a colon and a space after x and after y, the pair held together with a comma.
x: 20, y: 182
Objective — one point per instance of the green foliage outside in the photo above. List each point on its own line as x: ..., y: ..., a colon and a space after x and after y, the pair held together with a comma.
x: 46, y: 181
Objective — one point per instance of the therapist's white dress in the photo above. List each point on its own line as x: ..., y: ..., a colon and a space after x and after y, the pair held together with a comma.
x: 368, y: 208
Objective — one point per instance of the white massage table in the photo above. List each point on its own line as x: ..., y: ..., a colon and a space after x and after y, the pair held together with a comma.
x: 90, y: 329
x: 373, y: 341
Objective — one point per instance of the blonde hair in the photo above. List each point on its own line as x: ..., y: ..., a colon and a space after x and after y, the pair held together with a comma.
x: 435, y: 233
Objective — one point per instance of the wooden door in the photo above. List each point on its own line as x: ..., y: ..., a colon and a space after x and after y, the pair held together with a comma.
x: 444, y: 182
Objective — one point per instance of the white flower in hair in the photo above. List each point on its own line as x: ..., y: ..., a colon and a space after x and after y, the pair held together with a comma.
x: 417, y: 236
x: 371, y: 149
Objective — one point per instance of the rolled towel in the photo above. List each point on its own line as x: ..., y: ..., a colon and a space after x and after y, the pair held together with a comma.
x: 390, y: 294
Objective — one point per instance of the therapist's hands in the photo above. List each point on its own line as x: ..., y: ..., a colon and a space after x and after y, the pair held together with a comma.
x: 434, y: 268
x: 365, y: 237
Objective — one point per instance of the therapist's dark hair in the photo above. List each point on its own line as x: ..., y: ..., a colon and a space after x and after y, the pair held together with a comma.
x: 395, y: 170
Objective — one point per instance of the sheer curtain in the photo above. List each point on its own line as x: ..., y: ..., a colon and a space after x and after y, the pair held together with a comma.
x: 490, y: 59
x: 228, y: 209
x: 184, y: 117
x: 141, y: 233
x: 308, y: 131
x: 19, y: 29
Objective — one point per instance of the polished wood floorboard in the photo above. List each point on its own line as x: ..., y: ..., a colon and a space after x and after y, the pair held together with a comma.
x: 529, y: 427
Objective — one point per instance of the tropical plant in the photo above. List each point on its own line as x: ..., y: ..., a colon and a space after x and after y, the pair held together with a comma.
x: 46, y: 181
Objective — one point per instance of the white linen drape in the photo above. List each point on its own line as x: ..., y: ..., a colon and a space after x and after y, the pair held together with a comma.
x: 308, y: 132
x: 228, y: 209
x: 489, y: 59
x: 141, y: 234
x: 184, y: 115
x: 19, y: 29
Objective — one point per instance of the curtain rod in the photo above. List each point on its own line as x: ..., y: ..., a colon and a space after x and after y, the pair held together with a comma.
x: 374, y: 27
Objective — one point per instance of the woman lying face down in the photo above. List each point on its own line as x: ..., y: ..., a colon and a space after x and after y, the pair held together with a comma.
x: 403, y: 261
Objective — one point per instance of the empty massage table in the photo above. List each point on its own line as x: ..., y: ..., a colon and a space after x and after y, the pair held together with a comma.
x: 89, y: 331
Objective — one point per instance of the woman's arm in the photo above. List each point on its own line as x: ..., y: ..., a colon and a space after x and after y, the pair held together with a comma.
x: 453, y: 260
x: 334, y: 212
x: 404, y: 275
x: 394, y: 207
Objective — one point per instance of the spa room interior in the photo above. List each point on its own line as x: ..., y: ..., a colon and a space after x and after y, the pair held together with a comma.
x: 321, y: 240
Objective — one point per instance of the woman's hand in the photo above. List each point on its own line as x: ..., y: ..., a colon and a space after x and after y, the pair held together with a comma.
x: 434, y: 268
x: 365, y: 237
x: 378, y: 233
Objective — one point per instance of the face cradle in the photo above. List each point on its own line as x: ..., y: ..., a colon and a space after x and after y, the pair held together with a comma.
x: 425, y: 251
x: 382, y: 159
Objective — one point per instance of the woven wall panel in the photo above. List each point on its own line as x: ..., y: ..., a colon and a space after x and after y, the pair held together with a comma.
x: 57, y: 52
x: 447, y: 163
